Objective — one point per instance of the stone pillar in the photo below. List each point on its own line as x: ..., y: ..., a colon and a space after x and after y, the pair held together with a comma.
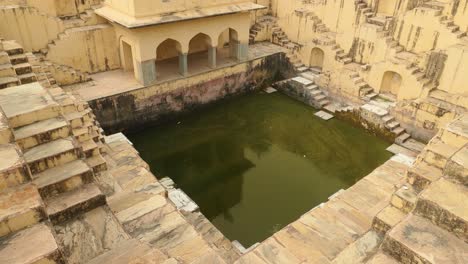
x: 146, y: 72
x: 239, y: 50
x: 183, y: 66
x: 243, y: 51
x: 212, y: 57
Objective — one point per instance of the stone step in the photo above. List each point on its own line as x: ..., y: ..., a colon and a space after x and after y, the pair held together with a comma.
x: 381, y: 258
x: 12, y: 47
x: 6, y: 82
x: 388, y: 118
x: 78, y: 119
x: 455, y: 133
x: 90, y: 148
x: 405, y: 198
x: 387, y: 219
x: 51, y: 154
x: 423, y: 174
x: 320, y: 97
x: 371, y: 95
x: 97, y: 163
x: 361, y: 249
x: 33, y: 245
x: 13, y: 169
x: 27, y: 78
x: 87, y: 132
x: 402, y: 138
x: 442, y: 203
x: 438, y: 152
x: 398, y: 131
x: 18, y: 59
x: 324, y: 103
x: 63, y: 178
x: 26, y: 104
x: 417, y: 240
x: 315, y: 92
x: 392, y: 125
x: 132, y: 251
x: 41, y: 132
x: 457, y: 167
x: 20, y: 207
x: 69, y: 204
x: 6, y: 70
x: 22, y: 68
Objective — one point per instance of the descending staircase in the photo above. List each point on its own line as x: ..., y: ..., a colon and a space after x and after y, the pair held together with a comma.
x: 16, y: 68
x: 426, y: 222
x: 49, y: 161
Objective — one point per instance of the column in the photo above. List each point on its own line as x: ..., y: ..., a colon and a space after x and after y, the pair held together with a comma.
x: 239, y: 50
x: 243, y: 51
x: 183, y: 66
x: 212, y: 57
x: 146, y: 71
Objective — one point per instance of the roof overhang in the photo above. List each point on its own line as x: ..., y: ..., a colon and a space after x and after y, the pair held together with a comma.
x: 132, y: 22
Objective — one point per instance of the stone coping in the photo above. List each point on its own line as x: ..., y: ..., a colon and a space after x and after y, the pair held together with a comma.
x: 133, y: 22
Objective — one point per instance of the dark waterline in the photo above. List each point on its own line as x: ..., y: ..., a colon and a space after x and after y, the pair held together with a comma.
x: 258, y: 162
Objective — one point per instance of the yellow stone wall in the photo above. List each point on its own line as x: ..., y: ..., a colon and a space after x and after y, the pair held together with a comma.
x: 144, y: 41
x: 142, y: 8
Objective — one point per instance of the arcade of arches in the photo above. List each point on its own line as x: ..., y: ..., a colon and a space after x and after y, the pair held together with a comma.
x: 174, y: 58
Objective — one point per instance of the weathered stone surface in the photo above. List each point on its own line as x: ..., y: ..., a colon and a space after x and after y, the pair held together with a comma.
x: 422, y: 174
x: 13, y: 170
x: 457, y: 166
x: 33, y: 245
x: 381, y: 258
x: 63, y: 178
x: 126, y: 199
x: 417, y: 240
x: 51, y: 154
x: 20, y: 207
x: 250, y: 259
x: 443, y: 203
x: 387, y: 218
x: 438, y: 152
x: 41, y: 132
x: 213, y: 236
x: 26, y: 104
x: 67, y: 205
x: 405, y: 198
x: 89, y: 235
x: 360, y: 250
x: 305, y: 246
x: 140, y: 209
x: 131, y: 251
x: 272, y: 252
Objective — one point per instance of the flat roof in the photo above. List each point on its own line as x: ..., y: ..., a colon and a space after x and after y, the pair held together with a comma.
x: 133, y: 22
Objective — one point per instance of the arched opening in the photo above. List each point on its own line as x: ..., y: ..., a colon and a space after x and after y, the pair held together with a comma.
x: 167, y: 59
x: 127, y: 56
x: 316, y: 58
x: 228, y: 46
x: 391, y: 83
x: 200, y: 53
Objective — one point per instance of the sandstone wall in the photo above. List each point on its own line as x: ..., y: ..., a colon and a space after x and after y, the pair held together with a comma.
x: 89, y: 49
x: 29, y: 26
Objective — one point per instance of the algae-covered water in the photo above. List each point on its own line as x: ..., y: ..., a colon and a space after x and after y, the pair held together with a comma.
x: 258, y: 162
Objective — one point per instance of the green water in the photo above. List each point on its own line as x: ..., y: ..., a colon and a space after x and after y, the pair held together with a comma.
x: 258, y: 162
